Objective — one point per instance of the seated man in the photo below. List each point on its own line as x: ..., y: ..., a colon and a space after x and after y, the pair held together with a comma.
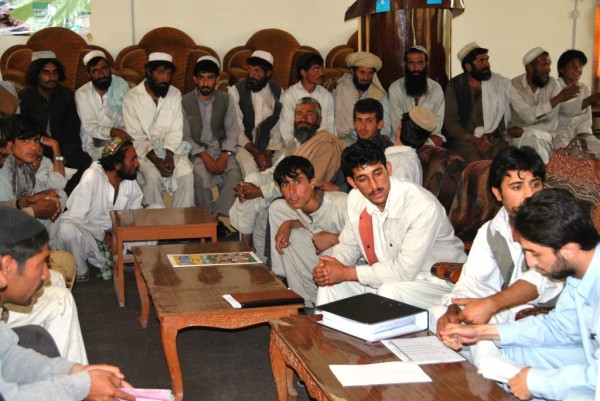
x: 304, y: 224
x: 399, y: 228
x: 153, y: 117
x: 17, y: 177
x: 368, y: 120
x: 414, y: 129
x: 494, y: 284
x: 100, y: 105
x: 558, y: 351
x: 310, y: 79
x: 26, y: 375
x: 258, y: 109
x: 250, y: 210
x: 361, y: 83
x: 85, y: 228
x: 210, y: 126
x: 570, y: 67
x: 536, y: 100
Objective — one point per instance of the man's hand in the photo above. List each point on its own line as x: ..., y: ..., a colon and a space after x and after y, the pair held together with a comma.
x: 282, y: 238
x: 262, y: 162
x: 437, y: 140
x: 566, y: 94
x: 52, y: 144
x: 515, y: 132
x: 108, y: 239
x: 518, y: 385
x: 119, y: 133
x: 324, y: 240
x: 476, y: 311
x: 222, y: 161
x: 330, y: 271
x: 45, y: 204
x: 448, y: 318
x: 246, y: 190
x: 105, y: 385
x: 161, y: 164
x: 460, y: 334
x: 169, y: 163
x: 209, y: 163
x: 482, y: 144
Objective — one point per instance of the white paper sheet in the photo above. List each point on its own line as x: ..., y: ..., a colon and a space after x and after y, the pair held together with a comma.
x: 499, y: 369
x: 379, y: 373
x: 422, y: 350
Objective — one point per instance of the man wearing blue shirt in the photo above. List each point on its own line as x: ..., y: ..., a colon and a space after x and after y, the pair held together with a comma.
x: 559, y: 350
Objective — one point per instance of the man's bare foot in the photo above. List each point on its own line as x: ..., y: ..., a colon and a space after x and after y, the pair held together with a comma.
x: 247, y: 240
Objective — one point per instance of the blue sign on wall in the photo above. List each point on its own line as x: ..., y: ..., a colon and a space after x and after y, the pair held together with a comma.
x: 434, y: 1
x: 382, y: 5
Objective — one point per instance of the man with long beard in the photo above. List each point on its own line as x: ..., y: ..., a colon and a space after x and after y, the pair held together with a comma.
x: 536, y: 100
x: 361, y: 83
x: 109, y: 184
x: 154, y: 119
x: 477, y: 107
x: 258, y: 110
x: 417, y: 89
x: 323, y: 149
x: 100, y: 105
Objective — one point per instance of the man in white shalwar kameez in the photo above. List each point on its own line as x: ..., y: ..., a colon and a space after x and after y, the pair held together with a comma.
x: 100, y: 105
x: 109, y: 184
x: 154, y: 119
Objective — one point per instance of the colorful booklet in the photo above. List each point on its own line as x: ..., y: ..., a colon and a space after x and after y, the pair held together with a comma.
x: 213, y: 259
x: 145, y: 394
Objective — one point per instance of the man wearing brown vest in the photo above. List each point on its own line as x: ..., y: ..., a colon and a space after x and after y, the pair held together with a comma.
x: 210, y: 126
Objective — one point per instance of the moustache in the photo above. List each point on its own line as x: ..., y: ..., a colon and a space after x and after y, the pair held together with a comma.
x: 375, y: 191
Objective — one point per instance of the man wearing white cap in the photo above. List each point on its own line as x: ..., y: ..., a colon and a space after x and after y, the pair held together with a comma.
x: 100, y: 105
x: 310, y: 80
x: 477, y: 107
x: 536, y: 100
x: 258, y: 109
x: 211, y: 127
x: 154, y: 119
x: 417, y: 89
x: 53, y: 106
x: 362, y: 83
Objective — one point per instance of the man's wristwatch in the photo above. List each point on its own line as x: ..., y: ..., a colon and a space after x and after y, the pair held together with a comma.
x: 59, y: 158
x: 227, y: 152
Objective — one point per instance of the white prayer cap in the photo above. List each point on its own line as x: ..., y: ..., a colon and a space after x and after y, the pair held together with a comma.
x: 42, y: 54
x: 209, y: 58
x: 419, y: 48
x: 93, y: 54
x: 532, y: 55
x: 468, y: 48
x: 423, y: 117
x: 263, y: 55
x: 159, y: 56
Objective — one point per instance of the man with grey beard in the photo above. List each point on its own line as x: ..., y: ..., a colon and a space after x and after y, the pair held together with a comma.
x: 477, y: 107
x: 536, y: 100
x: 323, y: 149
x: 417, y: 89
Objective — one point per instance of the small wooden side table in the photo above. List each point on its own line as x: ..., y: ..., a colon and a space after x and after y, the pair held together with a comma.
x: 154, y: 225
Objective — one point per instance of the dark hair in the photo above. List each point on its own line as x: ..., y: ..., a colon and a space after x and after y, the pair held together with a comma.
x: 368, y: 106
x: 554, y: 218
x: 152, y: 66
x: 411, y: 134
x: 3, y: 132
x: 35, y: 68
x: 292, y: 167
x: 414, y: 50
x: 306, y: 61
x: 566, y: 58
x: 22, y: 126
x: 22, y: 250
x: 361, y: 153
x: 515, y: 159
x: 469, y: 58
x: 206, y: 66
x: 108, y: 162
x: 93, y: 62
x: 259, y: 62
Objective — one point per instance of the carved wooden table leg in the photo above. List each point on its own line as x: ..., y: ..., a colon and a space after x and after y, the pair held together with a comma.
x: 168, y: 330
x: 118, y: 275
x: 144, y: 297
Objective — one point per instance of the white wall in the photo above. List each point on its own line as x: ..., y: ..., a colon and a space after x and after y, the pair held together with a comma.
x: 509, y: 28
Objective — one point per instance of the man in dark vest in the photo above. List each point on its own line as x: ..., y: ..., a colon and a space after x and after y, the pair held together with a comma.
x: 477, y: 107
x: 211, y: 128
x: 258, y: 108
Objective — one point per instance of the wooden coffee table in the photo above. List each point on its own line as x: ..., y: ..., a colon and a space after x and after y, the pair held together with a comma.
x: 192, y: 296
x: 155, y: 224
x: 300, y: 344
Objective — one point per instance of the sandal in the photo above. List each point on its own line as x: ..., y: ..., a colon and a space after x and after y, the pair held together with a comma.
x: 82, y: 277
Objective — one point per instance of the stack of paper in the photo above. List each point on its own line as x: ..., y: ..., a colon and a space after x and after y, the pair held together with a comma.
x: 499, y: 369
x: 422, y: 350
x: 373, y: 317
x: 146, y: 394
x: 379, y: 373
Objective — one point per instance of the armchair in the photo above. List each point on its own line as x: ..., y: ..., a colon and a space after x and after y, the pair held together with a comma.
x: 130, y: 61
x: 70, y: 48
